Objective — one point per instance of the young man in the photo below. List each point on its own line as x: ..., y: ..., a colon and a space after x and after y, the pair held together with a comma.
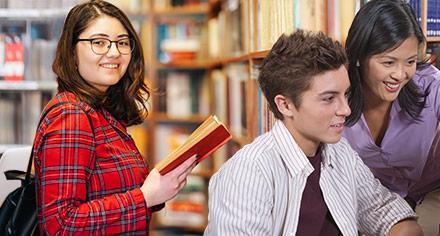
x: 301, y: 178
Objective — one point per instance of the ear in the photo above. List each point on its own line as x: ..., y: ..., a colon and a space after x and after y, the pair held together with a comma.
x: 284, y: 105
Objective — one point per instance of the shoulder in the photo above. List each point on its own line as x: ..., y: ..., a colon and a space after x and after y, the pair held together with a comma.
x: 342, y: 147
x: 67, y: 110
x: 251, y: 160
x: 427, y: 75
x: 341, y: 152
x: 66, y: 100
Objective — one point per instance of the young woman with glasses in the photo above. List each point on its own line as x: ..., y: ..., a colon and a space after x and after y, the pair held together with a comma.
x: 90, y: 177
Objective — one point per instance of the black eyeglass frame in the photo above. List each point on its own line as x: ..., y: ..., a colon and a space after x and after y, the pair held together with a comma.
x: 110, y: 45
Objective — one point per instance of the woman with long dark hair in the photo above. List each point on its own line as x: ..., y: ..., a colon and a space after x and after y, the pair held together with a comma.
x: 395, y: 103
x: 90, y: 177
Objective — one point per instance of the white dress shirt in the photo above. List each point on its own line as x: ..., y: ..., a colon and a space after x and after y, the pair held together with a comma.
x: 259, y: 190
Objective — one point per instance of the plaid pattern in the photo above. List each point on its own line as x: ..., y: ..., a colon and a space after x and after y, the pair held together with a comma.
x: 88, y: 184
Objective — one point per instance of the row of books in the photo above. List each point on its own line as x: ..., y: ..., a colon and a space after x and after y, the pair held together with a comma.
x: 11, y: 57
x: 417, y: 8
x: 18, y: 62
x: 237, y: 96
x: 229, y: 21
x: 268, y: 19
x: 179, y: 39
x: 19, y: 117
x: 188, y: 208
x: 182, y: 94
x: 432, y: 18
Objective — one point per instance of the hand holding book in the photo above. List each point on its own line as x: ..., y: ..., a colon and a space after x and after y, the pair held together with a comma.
x: 207, y: 138
x: 158, y: 188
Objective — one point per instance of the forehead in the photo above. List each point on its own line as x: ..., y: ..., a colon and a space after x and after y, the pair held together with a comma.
x: 105, y: 25
x: 407, y: 48
x: 330, y: 81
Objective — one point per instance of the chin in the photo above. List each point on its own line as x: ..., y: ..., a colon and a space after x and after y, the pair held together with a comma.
x: 332, y: 140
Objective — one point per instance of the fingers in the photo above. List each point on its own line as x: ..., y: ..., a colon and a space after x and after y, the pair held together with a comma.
x: 183, y: 175
x: 182, y: 168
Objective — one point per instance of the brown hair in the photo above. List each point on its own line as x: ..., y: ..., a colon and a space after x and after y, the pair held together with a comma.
x: 292, y: 62
x: 124, y: 100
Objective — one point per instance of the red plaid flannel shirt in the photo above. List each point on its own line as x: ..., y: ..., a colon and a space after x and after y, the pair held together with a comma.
x: 88, y: 185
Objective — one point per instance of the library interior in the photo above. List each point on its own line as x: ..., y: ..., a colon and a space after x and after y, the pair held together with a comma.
x: 202, y: 58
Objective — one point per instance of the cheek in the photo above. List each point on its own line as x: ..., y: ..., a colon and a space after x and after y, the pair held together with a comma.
x: 412, y: 71
x: 126, y: 64
x: 86, y: 67
x: 321, y: 116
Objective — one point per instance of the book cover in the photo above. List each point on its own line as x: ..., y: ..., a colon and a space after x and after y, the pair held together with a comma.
x: 207, y: 138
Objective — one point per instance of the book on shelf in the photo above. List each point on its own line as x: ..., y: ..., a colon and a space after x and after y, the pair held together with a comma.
x: 188, y: 208
x: 207, y: 138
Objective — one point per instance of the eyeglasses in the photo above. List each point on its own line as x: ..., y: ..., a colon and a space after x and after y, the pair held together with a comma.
x: 101, y: 46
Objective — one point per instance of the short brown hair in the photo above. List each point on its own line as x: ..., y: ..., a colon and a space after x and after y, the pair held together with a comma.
x: 124, y: 100
x: 292, y: 62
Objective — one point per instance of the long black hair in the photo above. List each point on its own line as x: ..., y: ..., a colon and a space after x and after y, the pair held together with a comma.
x: 380, y: 26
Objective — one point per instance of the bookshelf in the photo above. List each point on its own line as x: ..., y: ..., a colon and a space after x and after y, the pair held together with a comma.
x: 428, y: 15
x: 261, y: 24
x: 224, y: 42
x: 28, y: 37
x: 175, y: 39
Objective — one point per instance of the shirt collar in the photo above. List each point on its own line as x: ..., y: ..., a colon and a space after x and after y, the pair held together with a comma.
x: 294, y: 157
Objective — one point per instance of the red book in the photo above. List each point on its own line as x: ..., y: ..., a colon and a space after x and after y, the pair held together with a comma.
x: 207, y: 138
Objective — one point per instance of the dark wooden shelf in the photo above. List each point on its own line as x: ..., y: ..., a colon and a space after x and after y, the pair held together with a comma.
x: 431, y: 39
x: 188, y: 64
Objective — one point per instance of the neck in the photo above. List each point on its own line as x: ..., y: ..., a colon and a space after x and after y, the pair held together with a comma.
x: 374, y: 103
x: 309, y: 147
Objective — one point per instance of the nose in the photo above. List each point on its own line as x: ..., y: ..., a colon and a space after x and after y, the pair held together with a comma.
x: 399, y: 73
x: 113, y: 50
x: 344, y: 108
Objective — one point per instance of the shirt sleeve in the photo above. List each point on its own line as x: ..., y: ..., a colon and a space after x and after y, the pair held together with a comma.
x: 429, y: 78
x: 430, y: 178
x: 64, y: 160
x: 378, y: 208
x: 239, y: 201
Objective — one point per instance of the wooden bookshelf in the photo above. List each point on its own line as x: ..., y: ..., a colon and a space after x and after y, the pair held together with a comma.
x: 187, y: 64
x: 433, y: 39
x: 27, y: 83
x: 239, y: 37
x: 165, y: 127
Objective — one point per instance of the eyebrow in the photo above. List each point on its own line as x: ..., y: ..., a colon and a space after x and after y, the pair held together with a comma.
x: 106, y: 35
x: 331, y: 92
x: 386, y: 56
x: 328, y: 93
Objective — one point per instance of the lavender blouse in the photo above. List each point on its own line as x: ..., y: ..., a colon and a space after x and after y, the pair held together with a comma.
x: 408, y: 160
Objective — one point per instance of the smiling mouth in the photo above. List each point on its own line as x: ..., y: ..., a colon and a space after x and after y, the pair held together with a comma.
x: 391, y: 86
x: 339, y: 125
x: 110, y: 66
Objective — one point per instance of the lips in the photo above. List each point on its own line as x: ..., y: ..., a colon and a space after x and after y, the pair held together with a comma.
x: 392, y: 87
x: 109, y: 65
x: 338, y: 125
